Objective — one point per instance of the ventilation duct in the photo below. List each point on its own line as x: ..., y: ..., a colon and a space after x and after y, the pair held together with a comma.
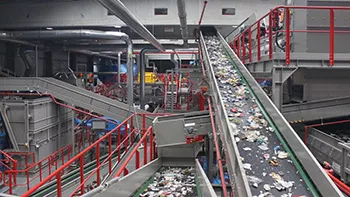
x: 181, y: 6
x: 121, y: 11
x: 28, y: 62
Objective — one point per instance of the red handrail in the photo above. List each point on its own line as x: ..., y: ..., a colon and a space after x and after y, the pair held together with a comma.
x: 79, y: 156
x: 239, y: 39
x: 148, y: 132
x: 218, y: 154
x: 128, y: 124
x: 51, y: 160
x: 129, y: 137
x: 200, y: 20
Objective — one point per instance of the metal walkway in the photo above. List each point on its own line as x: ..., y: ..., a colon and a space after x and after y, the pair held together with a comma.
x: 70, y: 94
x: 304, y: 166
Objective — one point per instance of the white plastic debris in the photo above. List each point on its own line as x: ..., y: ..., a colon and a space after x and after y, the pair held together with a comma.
x: 247, y: 149
x: 247, y: 166
x: 267, y: 187
x: 282, y: 155
x: 263, y: 147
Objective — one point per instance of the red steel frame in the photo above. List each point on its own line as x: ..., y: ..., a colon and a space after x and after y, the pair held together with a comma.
x: 123, y: 140
x: 51, y: 161
x: 9, y: 170
x: 256, y: 26
x: 79, y: 158
x: 307, y: 127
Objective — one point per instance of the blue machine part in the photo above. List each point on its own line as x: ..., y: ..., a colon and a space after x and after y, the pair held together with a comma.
x: 110, y: 126
x: 114, y: 68
x: 266, y: 83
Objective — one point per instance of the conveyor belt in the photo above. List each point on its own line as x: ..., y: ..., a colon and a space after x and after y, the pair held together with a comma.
x: 70, y: 94
x: 135, y: 183
x: 228, y: 77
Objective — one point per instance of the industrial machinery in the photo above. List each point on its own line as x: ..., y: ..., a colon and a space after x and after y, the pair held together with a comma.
x: 207, y: 117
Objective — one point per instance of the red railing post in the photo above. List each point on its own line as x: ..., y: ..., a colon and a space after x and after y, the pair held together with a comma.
x: 81, y: 165
x: 151, y: 145
x: 238, y: 47
x: 287, y: 36
x: 109, y: 153
x: 68, y: 155
x: 118, y: 142
x: 137, y: 160
x: 40, y: 172
x: 270, y: 35
x: 243, y: 47
x: 10, y: 182
x: 59, y: 185
x: 56, y: 161
x: 98, y: 173
x: 27, y: 177
x: 258, y: 41
x: 250, y: 45
x: 15, y: 173
x: 331, y: 37
x: 49, y: 164
x: 145, y: 151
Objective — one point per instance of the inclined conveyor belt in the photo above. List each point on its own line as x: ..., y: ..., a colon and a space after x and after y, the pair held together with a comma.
x: 264, y: 154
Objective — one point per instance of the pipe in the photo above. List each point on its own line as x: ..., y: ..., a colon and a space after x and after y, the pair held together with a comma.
x: 27, y: 60
x: 342, y: 186
x: 119, y: 63
x: 200, y: 20
x: 121, y: 11
x: 68, y: 65
x: 130, y: 78
x: 181, y: 6
x: 87, y: 52
x: 142, y: 75
x: 67, y: 35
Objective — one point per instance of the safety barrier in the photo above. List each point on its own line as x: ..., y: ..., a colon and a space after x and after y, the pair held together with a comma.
x: 80, y: 158
x: 9, y: 165
x: 243, y: 42
x: 43, y: 166
x: 122, y: 141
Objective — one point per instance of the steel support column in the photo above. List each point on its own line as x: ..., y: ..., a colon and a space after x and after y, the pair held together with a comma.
x: 279, y: 76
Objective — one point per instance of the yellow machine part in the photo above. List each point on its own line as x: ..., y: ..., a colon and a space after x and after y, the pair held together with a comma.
x: 150, y: 77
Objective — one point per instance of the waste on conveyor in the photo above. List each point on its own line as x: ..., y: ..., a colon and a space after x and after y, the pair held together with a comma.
x: 172, y: 182
x: 269, y: 169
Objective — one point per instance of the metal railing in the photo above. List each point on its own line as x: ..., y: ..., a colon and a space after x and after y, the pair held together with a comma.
x: 10, y: 165
x: 80, y: 158
x: 43, y: 166
x: 243, y: 42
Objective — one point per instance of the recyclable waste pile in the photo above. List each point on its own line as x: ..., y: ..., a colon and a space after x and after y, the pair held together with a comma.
x: 269, y: 169
x: 172, y: 182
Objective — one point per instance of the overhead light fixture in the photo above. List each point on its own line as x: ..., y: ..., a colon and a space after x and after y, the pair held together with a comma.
x: 49, y: 28
x: 117, y: 27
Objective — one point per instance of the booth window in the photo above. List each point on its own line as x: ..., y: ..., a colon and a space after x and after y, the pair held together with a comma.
x: 160, y: 11
x: 228, y: 11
